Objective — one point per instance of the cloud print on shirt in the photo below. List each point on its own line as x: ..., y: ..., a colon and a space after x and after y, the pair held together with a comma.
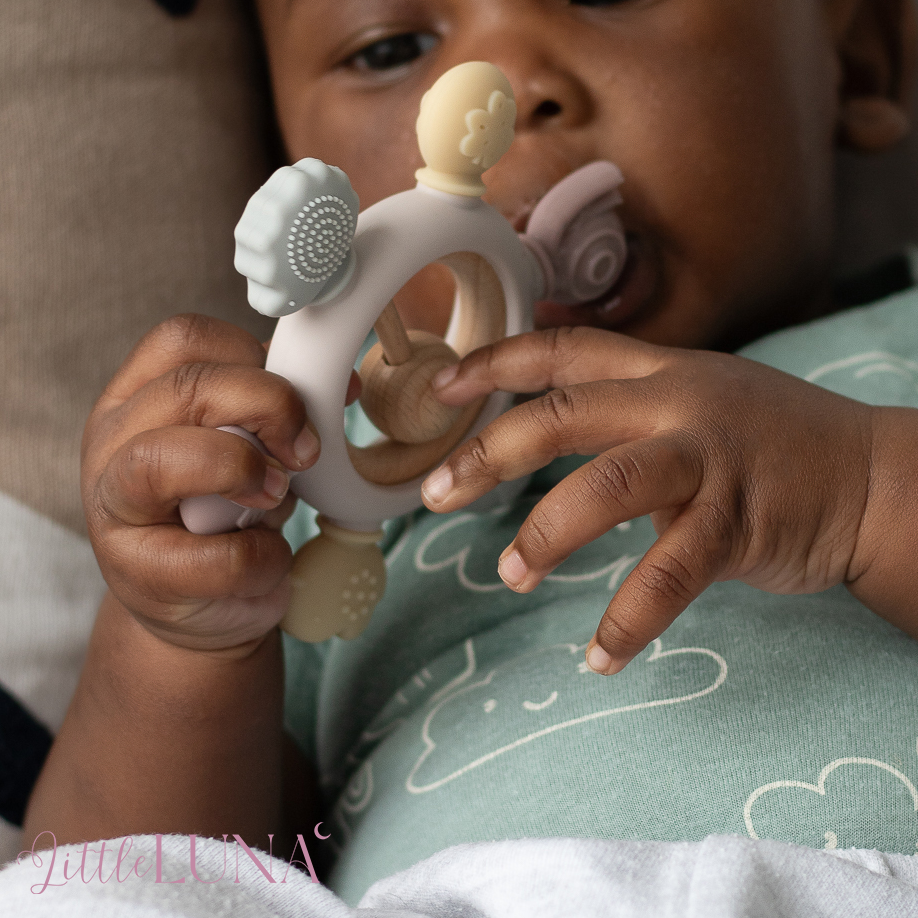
x: 456, y: 546
x: 854, y: 802
x: 877, y: 377
x: 479, y: 717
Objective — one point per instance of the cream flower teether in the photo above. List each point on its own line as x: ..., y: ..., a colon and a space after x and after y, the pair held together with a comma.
x: 465, y: 126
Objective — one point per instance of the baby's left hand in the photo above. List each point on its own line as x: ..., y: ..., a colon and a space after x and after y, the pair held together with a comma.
x: 748, y: 474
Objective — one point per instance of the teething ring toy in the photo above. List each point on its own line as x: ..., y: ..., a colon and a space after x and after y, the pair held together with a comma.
x: 330, y: 278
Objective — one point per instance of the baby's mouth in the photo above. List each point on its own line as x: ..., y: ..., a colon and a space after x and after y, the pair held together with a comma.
x: 616, y: 306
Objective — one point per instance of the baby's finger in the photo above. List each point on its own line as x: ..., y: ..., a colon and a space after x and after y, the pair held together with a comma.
x: 544, y: 360
x: 219, y: 395
x: 177, y: 341
x: 146, y: 478
x: 678, y: 567
x: 621, y: 484
x: 585, y: 420
x: 275, y: 519
x: 354, y: 388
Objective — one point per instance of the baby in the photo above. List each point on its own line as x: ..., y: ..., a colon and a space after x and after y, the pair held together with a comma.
x: 724, y: 117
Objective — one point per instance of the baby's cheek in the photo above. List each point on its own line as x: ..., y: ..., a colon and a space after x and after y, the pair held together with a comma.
x: 375, y: 144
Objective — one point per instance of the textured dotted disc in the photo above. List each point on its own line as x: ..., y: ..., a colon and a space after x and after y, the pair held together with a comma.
x: 320, y: 238
x: 336, y: 580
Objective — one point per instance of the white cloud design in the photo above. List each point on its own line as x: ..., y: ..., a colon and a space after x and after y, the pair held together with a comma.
x: 463, y: 684
x: 354, y: 800
x: 831, y: 837
x: 615, y: 570
x: 864, y: 365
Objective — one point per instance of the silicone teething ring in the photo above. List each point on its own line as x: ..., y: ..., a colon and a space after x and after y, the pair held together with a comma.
x: 317, y: 347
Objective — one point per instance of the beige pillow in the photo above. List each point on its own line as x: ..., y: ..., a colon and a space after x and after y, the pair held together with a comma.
x: 129, y: 143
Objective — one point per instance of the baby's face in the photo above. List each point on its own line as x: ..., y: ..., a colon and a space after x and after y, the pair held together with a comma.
x: 721, y: 114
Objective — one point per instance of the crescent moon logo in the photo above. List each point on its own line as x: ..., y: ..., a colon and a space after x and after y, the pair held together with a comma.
x: 318, y: 834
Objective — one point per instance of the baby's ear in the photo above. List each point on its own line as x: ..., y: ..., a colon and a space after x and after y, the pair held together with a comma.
x: 876, y: 42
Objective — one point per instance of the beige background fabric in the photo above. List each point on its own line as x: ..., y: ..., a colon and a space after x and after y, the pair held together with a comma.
x: 129, y: 143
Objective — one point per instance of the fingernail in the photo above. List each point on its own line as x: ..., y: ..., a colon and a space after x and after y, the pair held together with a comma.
x: 276, y: 483
x: 442, y: 379
x: 601, y: 663
x: 305, y: 447
x: 598, y: 660
x: 512, y: 569
x: 438, y: 485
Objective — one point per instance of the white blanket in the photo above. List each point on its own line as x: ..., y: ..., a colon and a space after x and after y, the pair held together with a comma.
x: 531, y: 878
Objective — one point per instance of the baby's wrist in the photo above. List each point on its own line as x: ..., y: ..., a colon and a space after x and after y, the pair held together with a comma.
x: 215, y: 647
x: 147, y: 659
x: 136, y: 676
x: 228, y: 627
x: 882, y: 571
x: 182, y: 733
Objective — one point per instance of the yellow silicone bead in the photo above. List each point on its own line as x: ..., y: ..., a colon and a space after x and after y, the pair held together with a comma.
x: 464, y: 127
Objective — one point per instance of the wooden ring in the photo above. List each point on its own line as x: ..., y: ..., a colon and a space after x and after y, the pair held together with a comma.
x: 481, y: 319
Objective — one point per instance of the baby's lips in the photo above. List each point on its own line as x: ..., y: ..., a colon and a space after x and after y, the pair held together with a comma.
x: 565, y: 193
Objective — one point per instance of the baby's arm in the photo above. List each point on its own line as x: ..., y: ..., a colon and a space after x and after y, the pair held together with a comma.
x: 176, y: 723
x: 747, y: 473
x: 161, y: 738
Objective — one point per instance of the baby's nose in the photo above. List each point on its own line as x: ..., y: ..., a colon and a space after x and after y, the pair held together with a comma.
x: 547, y: 97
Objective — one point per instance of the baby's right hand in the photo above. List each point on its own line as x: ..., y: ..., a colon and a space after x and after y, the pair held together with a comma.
x: 152, y: 440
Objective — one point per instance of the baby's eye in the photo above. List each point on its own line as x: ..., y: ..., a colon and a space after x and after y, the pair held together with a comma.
x: 392, y: 52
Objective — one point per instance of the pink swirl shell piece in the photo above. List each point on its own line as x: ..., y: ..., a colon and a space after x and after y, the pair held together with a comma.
x: 576, y: 230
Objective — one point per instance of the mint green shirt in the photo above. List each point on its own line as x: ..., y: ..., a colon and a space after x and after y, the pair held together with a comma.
x: 465, y: 712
